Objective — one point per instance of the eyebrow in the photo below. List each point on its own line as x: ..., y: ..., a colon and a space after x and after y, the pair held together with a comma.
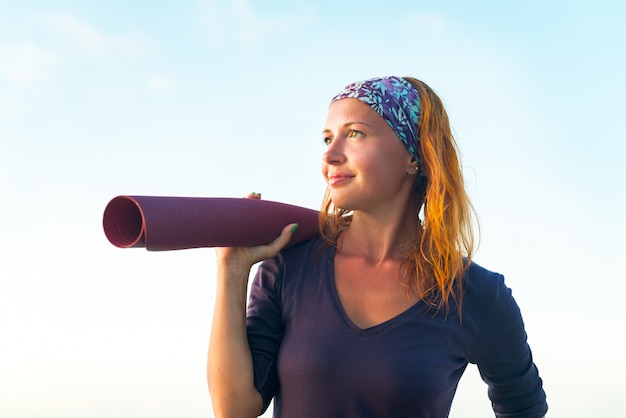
x: 348, y: 124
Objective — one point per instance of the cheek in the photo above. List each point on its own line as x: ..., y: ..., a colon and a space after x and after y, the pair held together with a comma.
x: 387, y: 170
x: 324, y: 170
x: 380, y: 162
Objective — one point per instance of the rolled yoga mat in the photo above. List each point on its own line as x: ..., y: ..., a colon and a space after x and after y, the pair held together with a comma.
x: 174, y: 223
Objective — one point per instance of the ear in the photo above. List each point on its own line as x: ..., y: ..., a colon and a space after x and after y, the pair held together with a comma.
x: 411, y: 166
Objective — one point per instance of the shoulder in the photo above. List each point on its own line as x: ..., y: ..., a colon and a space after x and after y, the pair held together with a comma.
x: 482, y: 283
x: 486, y: 298
x: 482, y: 279
x: 483, y: 286
x: 297, y: 258
x: 301, y: 253
x: 490, y: 309
x: 304, y: 250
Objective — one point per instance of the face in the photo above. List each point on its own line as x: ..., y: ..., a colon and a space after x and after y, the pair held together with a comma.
x: 365, y: 164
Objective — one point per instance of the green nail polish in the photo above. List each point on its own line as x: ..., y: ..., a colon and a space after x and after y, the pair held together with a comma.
x: 294, y: 227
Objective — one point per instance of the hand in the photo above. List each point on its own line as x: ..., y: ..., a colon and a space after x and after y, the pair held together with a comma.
x: 243, y: 258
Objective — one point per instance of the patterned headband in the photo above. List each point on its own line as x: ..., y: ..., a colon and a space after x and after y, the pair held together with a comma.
x: 397, y: 101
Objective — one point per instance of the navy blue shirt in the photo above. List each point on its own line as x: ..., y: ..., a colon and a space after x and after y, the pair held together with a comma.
x: 315, y: 362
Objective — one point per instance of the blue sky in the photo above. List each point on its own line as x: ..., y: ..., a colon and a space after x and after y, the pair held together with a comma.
x: 218, y: 98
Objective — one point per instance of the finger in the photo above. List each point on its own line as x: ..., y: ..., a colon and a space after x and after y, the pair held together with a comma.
x: 283, y: 239
x: 251, y: 255
x: 253, y: 195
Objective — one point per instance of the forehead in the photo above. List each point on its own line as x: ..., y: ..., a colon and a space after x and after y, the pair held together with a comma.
x: 352, y: 110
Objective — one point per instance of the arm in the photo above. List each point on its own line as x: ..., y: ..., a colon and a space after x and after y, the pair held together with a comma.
x: 229, y: 368
x: 505, y: 360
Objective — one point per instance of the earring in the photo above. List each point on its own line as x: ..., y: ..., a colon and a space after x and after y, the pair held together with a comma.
x: 411, y: 171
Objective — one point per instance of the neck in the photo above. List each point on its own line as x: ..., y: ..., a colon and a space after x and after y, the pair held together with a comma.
x: 380, y: 237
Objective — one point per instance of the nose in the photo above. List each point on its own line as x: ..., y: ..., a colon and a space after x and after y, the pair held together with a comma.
x: 334, y: 154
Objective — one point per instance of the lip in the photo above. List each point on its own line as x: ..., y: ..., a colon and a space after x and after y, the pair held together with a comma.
x: 337, y: 178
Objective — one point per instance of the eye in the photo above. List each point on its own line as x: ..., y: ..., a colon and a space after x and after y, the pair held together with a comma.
x: 327, y: 140
x: 354, y: 133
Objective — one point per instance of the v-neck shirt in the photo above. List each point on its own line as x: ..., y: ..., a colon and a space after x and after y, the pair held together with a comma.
x: 313, y: 361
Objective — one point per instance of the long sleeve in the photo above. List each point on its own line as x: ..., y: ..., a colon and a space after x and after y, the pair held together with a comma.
x: 505, y: 360
x: 265, y: 327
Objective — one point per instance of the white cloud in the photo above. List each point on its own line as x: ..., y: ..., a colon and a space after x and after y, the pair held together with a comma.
x: 160, y: 84
x: 212, y: 22
x: 134, y: 46
x: 239, y: 20
x: 84, y: 36
x: 433, y: 24
x: 26, y: 63
x: 252, y: 28
x: 91, y: 40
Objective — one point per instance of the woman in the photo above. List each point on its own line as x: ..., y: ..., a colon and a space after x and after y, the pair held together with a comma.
x: 380, y: 316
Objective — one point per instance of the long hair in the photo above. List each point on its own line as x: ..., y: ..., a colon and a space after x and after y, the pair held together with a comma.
x: 442, y: 251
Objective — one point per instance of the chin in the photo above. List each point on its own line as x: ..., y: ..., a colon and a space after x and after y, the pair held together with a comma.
x: 345, y: 204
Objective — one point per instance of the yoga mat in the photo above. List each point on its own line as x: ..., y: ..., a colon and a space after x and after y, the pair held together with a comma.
x: 173, y: 223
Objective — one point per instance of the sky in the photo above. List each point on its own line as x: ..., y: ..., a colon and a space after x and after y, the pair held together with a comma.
x: 221, y: 98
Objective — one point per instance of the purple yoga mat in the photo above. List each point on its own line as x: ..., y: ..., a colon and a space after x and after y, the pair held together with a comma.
x: 174, y: 223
